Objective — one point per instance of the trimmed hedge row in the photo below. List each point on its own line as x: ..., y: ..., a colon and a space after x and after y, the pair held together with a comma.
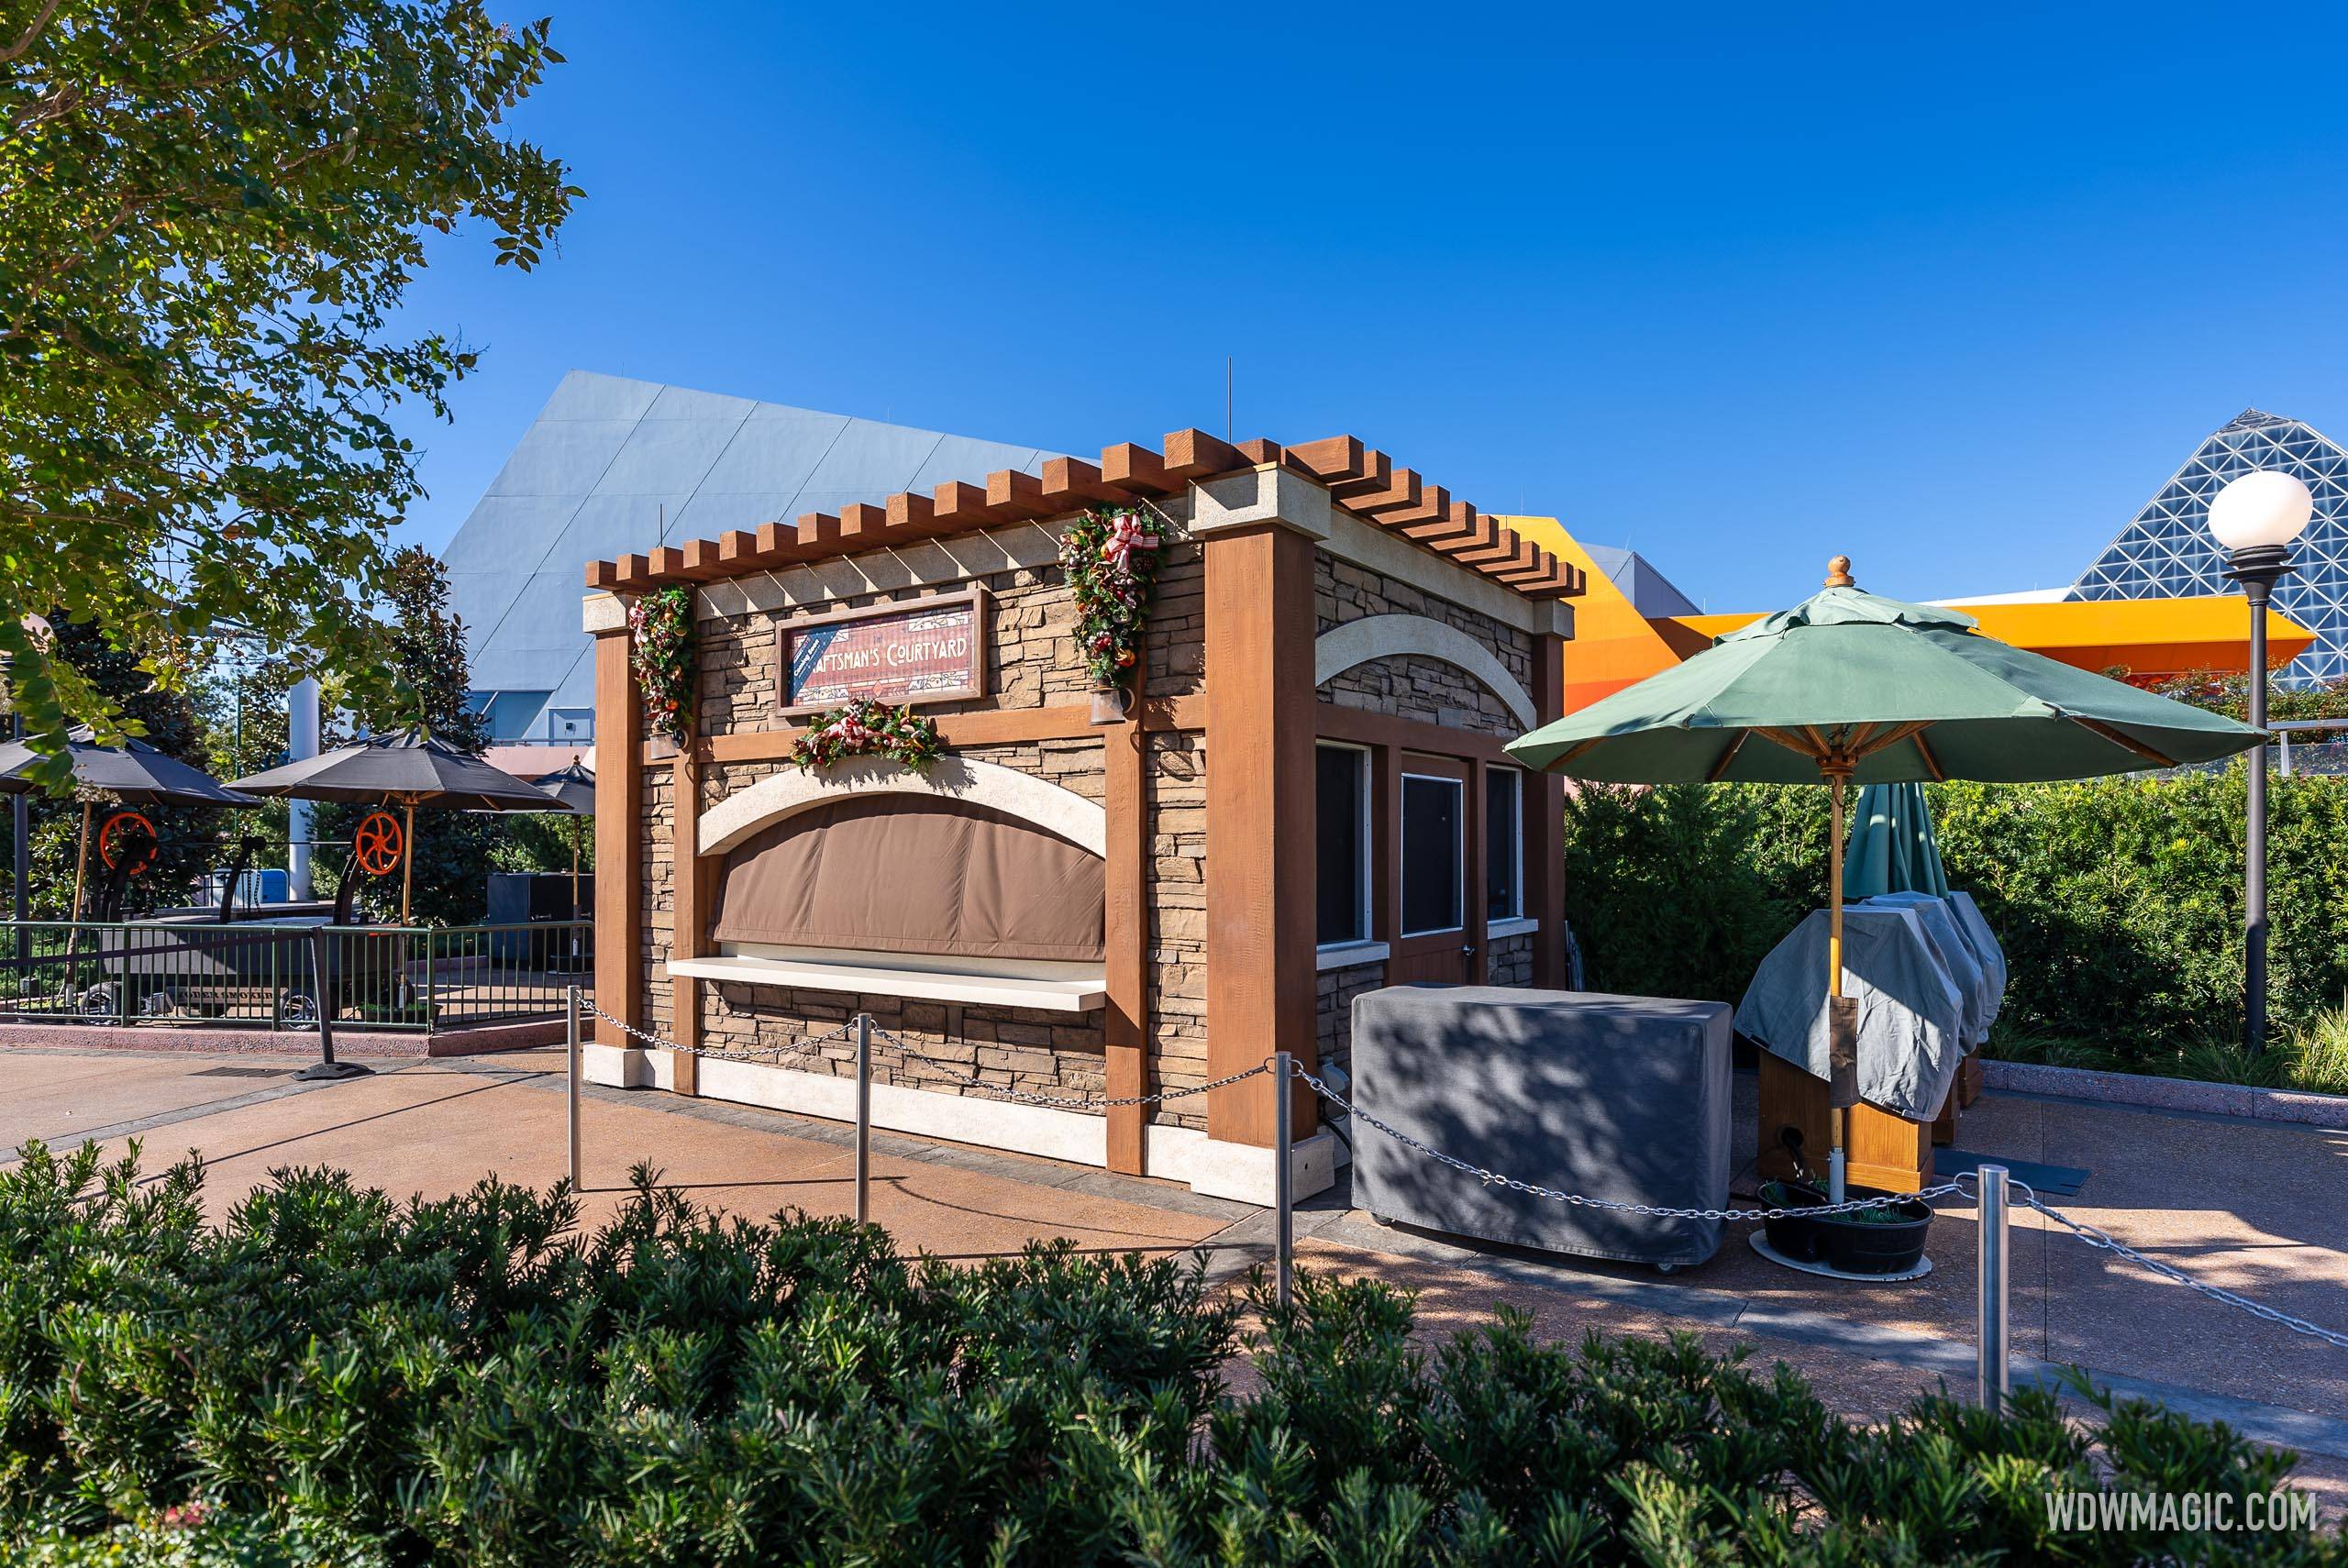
x: 334, y: 1377
x: 2118, y: 901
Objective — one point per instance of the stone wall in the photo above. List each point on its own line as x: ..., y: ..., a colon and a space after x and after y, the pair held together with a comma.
x: 1511, y: 961
x: 1335, y: 1027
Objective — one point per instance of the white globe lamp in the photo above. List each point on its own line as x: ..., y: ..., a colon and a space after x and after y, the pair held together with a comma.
x: 2255, y: 517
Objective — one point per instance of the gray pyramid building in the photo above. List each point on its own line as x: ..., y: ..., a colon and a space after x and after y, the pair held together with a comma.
x: 2168, y: 552
x: 614, y: 466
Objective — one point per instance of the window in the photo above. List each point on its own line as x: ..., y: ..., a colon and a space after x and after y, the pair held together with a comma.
x: 1341, y: 868
x: 1503, y: 844
x: 1434, y: 854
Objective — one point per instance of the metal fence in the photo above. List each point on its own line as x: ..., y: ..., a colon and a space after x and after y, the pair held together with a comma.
x: 257, y: 975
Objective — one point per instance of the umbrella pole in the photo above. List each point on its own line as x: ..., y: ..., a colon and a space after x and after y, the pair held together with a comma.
x: 407, y: 865
x: 1835, y: 1115
x: 82, y: 862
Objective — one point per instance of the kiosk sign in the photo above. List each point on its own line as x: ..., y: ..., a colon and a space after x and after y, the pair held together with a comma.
x: 928, y: 652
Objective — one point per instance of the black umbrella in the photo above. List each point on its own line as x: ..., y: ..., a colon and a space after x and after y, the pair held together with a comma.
x: 134, y: 773
x: 573, y: 788
x: 410, y: 769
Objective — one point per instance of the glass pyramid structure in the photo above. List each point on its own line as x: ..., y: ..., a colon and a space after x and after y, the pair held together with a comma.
x: 2167, y: 553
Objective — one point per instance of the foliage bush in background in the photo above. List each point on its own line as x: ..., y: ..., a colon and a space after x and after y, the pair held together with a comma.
x: 332, y: 1377
x: 2117, y: 900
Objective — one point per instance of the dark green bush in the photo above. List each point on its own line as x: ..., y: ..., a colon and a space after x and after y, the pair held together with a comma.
x: 332, y: 1377
x: 2118, y: 901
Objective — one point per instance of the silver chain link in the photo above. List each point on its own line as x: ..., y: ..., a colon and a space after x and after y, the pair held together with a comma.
x: 1580, y: 1200
x: 2103, y: 1240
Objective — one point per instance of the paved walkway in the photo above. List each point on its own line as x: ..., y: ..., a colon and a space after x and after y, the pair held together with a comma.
x: 2258, y: 1208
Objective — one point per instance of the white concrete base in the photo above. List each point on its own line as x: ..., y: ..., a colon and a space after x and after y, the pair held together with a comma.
x: 1239, y: 1171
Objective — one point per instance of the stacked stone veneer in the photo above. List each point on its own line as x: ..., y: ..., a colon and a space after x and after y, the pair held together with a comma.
x: 1429, y: 690
x: 1032, y: 662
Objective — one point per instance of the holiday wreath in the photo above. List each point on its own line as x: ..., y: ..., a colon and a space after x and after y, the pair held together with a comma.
x: 661, y: 633
x: 862, y: 727
x: 1110, y: 556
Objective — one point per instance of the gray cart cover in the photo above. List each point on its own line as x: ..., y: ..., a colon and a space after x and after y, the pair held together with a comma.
x: 1621, y: 1097
x: 1957, y: 956
x: 1985, y: 940
x: 1911, y: 1018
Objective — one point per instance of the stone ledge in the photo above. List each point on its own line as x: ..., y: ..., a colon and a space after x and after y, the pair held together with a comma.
x: 2169, y: 1094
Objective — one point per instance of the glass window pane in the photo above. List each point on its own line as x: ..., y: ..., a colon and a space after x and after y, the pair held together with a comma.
x: 1342, y: 852
x: 1503, y: 845
x: 1432, y: 819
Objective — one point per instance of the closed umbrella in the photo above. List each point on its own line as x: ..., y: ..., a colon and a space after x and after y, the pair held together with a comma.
x: 1851, y: 687
x: 134, y: 773
x: 1892, y: 846
x: 408, y: 768
x: 573, y: 790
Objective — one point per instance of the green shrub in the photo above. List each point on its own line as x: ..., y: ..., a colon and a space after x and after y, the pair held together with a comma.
x: 332, y: 1377
x: 2118, y: 901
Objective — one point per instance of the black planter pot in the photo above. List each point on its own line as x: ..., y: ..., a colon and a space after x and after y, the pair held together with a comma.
x: 1844, y: 1242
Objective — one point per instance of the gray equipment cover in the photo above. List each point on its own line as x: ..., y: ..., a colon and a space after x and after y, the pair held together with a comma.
x: 1956, y: 954
x: 1984, y: 940
x: 1911, y: 1019
x: 1621, y: 1097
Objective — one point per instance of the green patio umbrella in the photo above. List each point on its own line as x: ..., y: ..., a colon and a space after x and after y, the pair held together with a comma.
x: 1849, y: 686
x: 1892, y: 846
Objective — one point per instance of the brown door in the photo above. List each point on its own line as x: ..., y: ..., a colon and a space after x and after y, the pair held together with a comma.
x: 1433, y: 840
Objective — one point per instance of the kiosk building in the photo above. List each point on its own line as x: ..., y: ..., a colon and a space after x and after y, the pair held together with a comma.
x: 1307, y: 798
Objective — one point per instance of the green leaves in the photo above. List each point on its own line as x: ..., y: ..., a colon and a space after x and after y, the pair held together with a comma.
x: 209, y: 214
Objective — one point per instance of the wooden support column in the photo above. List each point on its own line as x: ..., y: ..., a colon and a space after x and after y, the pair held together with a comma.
x: 688, y: 885
x: 1545, y: 830
x: 1260, y: 801
x: 619, y: 824
x: 1125, y: 933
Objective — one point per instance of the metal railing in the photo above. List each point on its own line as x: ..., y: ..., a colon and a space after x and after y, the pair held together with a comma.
x: 1994, y: 1188
x: 283, y: 975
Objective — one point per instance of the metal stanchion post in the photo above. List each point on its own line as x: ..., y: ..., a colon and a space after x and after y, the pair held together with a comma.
x: 571, y: 1010
x: 1283, y: 1179
x: 322, y: 991
x: 863, y: 1118
x: 1994, y: 1381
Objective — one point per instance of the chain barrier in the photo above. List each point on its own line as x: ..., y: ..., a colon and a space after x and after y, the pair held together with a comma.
x: 1580, y: 1200
x: 2103, y: 1240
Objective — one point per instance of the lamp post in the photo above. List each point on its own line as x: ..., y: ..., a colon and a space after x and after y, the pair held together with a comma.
x: 2255, y: 517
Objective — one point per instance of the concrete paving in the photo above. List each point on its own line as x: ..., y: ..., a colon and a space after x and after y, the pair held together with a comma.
x: 2257, y: 1207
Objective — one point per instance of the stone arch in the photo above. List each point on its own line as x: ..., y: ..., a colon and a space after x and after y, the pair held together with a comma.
x: 1341, y: 649
x: 1059, y: 811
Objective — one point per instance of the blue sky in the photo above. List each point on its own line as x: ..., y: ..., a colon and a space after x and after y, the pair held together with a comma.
x: 1740, y: 287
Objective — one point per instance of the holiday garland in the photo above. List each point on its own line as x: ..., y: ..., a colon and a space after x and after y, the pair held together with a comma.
x: 661, y: 632
x: 1110, y: 556
x: 862, y: 727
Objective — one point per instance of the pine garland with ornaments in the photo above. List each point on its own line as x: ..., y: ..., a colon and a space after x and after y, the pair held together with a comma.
x: 863, y: 727
x: 1111, y: 556
x: 661, y: 650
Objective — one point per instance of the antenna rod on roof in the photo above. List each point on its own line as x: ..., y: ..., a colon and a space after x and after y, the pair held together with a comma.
x: 1227, y: 397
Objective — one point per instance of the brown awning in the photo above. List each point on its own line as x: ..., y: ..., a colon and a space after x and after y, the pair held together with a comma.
x: 905, y: 874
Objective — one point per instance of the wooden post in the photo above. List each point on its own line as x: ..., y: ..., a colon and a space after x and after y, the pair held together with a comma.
x: 1124, y: 1030
x: 82, y: 862
x: 1260, y: 798
x: 1544, y: 827
x: 688, y: 916
x: 619, y: 818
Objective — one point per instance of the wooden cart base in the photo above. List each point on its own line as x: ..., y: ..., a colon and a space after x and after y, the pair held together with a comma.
x: 1883, y: 1151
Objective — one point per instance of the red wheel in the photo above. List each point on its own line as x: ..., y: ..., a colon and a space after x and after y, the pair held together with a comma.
x: 378, y: 843
x: 126, y: 840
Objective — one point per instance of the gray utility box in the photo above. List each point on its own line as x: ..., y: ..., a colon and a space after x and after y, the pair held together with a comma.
x: 1620, y: 1097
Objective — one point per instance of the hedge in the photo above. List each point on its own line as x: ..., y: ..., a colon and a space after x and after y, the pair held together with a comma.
x: 332, y: 1376
x: 2118, y: 901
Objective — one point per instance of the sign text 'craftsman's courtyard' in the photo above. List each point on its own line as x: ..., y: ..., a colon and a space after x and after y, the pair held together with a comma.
x: 926, y: 654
